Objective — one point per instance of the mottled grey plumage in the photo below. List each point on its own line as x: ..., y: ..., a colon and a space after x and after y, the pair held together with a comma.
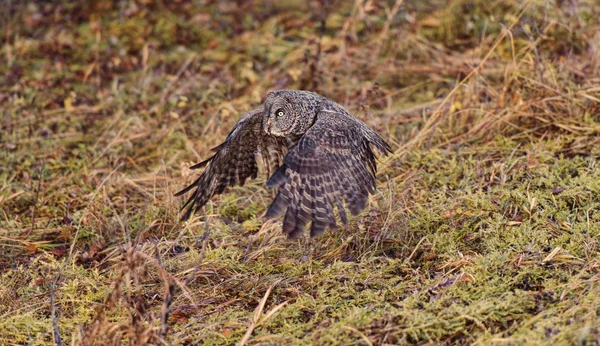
x: 320, y: 157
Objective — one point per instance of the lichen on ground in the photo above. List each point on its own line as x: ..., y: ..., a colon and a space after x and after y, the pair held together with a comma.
x: 484, y: 228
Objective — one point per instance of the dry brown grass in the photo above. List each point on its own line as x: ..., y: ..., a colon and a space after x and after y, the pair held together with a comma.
x: 484, y: 229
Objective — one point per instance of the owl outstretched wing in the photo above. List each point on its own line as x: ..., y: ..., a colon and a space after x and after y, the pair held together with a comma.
x: 332, y: 164
x: 235, y: 160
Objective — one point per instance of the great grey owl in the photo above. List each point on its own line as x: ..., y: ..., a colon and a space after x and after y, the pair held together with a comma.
x: 320, y: 156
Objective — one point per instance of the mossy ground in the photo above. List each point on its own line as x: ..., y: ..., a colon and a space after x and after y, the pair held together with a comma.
x: 484, y: 230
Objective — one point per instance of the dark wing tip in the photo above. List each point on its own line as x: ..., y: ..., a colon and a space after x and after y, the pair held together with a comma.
x: 382, y: 146
x: 187, y: 189
x: 388, y: 148
x: 203, y: 163
x: 200, y: 196
x: 188, y: 213
x: 190, y: 204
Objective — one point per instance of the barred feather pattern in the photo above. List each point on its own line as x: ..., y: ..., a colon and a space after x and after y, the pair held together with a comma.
x: 234, y: 161
x: 332, y: 164
x: 320, y: 158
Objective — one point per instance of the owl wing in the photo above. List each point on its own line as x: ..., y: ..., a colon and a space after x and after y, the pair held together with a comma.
x: 331, y: 164
x: 235, y: 160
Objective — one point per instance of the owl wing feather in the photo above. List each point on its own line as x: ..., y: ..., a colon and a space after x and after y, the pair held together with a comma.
x: 331, y: 164
x: 235, y: 160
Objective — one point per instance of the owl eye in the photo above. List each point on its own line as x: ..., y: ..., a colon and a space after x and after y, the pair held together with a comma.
x: 280, y: 113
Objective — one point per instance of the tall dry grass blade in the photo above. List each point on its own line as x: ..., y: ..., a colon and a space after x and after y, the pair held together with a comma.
x: 256, y: 315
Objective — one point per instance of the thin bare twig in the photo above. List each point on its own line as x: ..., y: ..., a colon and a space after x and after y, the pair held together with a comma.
x: 169, y: 294
x: 170, y: 290
x: 53, y: 315
x: 37, y: 195
x: 386, y: 28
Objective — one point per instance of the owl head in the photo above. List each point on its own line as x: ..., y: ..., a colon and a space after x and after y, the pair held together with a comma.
x: 289, y: 112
